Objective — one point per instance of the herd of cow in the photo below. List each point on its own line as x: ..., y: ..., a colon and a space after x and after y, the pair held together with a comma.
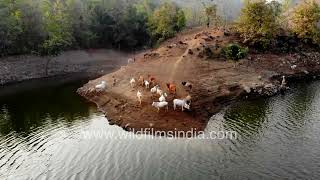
x: 162, y: 103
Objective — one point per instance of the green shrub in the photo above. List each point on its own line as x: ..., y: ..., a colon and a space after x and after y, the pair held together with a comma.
x: 258, y: 23
x: 305, y: 19
x: 234, y: 52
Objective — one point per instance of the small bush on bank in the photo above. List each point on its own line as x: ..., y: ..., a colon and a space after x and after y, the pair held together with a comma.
x: 234, y: 52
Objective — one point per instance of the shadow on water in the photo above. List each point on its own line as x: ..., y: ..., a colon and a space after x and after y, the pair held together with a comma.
x: 29, y: 105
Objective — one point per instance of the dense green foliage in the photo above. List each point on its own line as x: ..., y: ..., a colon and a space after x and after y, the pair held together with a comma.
x: 258, y: 23
x: 305, y: 20
x: 166, y: 21
x: 47, y: 27
x: 234, y: 52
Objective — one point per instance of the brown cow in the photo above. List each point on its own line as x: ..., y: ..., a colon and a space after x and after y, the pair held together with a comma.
x: 152, y: 80
x: 141, y: 80
x: 172, y: 88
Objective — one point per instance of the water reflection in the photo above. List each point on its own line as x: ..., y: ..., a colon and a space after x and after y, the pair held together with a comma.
x: 41, y: 137
x: 33, y: 108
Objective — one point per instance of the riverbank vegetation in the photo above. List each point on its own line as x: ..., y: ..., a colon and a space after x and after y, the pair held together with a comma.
x: 264, y: 24
x: 47, y: 27
x: 51, y: 26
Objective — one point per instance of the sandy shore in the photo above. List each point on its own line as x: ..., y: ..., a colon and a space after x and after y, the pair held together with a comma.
x: 216, y: 82
x: 96, y: 62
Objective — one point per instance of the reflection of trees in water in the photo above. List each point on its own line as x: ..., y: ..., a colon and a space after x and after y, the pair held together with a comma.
x: 31, y: 109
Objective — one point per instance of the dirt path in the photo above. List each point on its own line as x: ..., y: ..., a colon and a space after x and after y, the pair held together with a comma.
x: 216, y: 82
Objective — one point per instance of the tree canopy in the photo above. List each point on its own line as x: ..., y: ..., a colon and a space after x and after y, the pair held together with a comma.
x: 258, y: 22
x: 305, y: 21
x: 49, y: 27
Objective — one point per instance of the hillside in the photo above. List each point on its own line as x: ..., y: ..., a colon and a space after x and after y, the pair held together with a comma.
x: 216, y: 82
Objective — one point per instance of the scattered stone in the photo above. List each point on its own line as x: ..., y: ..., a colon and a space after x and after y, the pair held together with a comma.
x: 293, y: 67
x: 247, y: 89
x: 226, y: 33
x: 182, y: 43
x: 151, y: 54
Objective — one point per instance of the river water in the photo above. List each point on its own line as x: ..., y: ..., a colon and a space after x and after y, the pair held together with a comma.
x: 46, y: 133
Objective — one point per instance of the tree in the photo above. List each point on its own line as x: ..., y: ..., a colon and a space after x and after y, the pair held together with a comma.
x: 131, y: 29
x: 305, y: 21
x: 10, y: 26
x: 211, y: 13
x: 33, y: 32
x: 59, y: 29
x: 181, y: 20
x: 80, y: 13
x: 165, y: 22
x: 258, y: 23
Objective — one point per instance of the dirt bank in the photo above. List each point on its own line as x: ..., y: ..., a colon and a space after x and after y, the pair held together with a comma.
x: 20, y: 68
x: 193, y: 57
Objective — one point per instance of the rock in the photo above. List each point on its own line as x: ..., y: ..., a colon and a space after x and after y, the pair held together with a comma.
x: 190, y: 51
x: 226, y: 33
x: 293, y: 67
x: 183, y: 43
x: 260, y: 77
x: 306, y: 72
x: 247, y: 89
x: 151, y: 54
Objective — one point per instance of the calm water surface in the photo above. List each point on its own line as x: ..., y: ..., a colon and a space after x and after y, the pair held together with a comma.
x: 44, y: 127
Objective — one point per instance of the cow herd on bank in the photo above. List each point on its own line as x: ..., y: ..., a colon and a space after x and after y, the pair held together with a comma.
x: 152, y: 87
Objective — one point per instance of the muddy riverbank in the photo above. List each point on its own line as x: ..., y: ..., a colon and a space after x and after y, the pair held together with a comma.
x: 216, y: 82
x: 95, y: 62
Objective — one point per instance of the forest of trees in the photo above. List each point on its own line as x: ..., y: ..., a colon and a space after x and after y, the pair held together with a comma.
x: 47, y: 27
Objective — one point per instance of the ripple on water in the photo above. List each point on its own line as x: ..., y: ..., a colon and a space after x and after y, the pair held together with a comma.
x: 277, y: 138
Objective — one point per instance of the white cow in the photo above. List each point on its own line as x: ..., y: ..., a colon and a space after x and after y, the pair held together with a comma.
x: 162, y: 98
x: 147, y: 84
x: 154, y: 89
x: 102, y: 86
x: 139, y: 95
x: 180, y: 102
x: 132, y: 82
x: 159, y: 105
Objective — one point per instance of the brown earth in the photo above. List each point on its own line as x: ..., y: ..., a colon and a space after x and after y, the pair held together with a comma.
x: 216, y: 82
